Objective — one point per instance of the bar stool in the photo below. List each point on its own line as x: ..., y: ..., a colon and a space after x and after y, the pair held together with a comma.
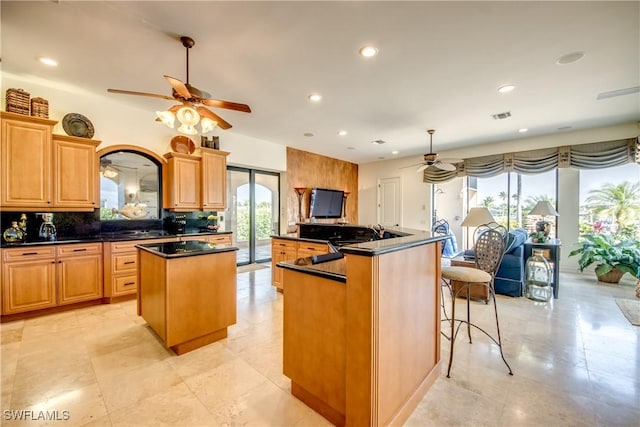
x: 489, y: 249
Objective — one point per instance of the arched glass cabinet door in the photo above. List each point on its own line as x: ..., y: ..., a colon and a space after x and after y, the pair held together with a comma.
x: 130, y: 184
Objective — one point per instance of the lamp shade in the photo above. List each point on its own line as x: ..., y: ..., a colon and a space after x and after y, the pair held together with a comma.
x: 477, y: 216
x: 543, y: 208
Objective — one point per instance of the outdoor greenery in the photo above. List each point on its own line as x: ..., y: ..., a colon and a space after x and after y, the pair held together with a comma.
x: 263, y: 220
x: 610, y: 233
x: 608, y: 253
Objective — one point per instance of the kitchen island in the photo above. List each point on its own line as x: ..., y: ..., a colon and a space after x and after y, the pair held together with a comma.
x: 187, y: 292
x: 362, y: 333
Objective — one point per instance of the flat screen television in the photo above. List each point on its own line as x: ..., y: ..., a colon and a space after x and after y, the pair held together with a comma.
x: 326, y: 203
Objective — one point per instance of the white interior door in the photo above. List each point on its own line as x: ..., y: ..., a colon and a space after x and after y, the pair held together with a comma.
x: 389, y: 202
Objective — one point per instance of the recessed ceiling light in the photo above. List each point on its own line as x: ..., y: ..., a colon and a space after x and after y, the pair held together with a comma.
x: 315, y: 97
x: 368, y: 51
x: 523, y: 130
x: 342, y: 132
x: 308, y: 134
x: 47, y: 61
x: 506, y: 88
x: 395, y: 152
x: 570, y: 58
x: 378, y: 142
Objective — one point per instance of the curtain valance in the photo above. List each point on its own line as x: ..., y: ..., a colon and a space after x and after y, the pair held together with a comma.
x: 596, y: 155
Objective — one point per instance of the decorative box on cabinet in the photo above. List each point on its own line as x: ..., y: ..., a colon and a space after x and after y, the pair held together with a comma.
x: 45, y: 171
x: 40, y: 277
x: 195, y: 183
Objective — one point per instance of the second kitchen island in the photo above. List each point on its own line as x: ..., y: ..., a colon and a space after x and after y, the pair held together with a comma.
x: 187, y: 292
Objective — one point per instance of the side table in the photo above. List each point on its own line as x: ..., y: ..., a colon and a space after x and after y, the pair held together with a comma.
x: 551, y: 252
x: 478, y: 291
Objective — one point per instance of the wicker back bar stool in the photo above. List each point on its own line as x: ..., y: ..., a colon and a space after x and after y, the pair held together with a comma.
x: 489, y: 249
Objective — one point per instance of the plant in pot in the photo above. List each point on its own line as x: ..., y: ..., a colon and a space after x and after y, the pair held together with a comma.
x: 613, y: 258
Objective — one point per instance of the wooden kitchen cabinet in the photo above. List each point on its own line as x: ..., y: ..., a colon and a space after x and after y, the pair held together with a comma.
x: 214, y: 179
x: 195, y: 183
x: 182, y: 183
x: 75, y: 171
x: 224, y: 239
x: 281, y: 250
x: 45, y: 171
x: 120, y: 260
x: 28, y: 279
x: 26, y: 161
x: 307, y: 249
x: 79, y: 272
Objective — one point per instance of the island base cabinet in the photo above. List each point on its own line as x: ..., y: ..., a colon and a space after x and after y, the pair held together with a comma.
x: 188, y: 301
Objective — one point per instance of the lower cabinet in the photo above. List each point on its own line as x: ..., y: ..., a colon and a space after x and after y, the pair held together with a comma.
x: 223, y: 239
x: 121, y: 267
x: 47, y: 276
x: 288, y: 249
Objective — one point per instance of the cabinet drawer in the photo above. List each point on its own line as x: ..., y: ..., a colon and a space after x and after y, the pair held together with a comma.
x: 219, y: 239
x: 284, y: 244
x: 25, y: 254
x: 81, y: 249
x: 129, y: 246
x: 125, y: 262
x: 125, y: 284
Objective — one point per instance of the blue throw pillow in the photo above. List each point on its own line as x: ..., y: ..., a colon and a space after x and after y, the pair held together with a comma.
x: 516, y: 239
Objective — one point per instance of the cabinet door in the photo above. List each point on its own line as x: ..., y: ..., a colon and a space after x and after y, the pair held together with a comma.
x: 281, y: 250
x: 184, y: 184
x: 75, y: 169
x: 28, y: 286
x: 80, y: 278
x: 214, y: 180
x: 224, y: 239
x: 26, y: 164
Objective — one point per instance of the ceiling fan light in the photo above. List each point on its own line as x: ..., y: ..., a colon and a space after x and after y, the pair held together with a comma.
x: 166, y: 117
x: 188, y: 116
x: 188, y: 129
x: 109, y: 172
x: 207, y: 124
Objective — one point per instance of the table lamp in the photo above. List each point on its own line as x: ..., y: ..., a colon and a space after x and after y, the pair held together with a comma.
x: 476, y: 217
x: 300, y: 193
x: 543, y: 208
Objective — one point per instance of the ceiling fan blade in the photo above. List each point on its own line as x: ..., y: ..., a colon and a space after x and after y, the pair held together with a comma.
x: 227, y: 104
x: 179, y: 87
x: 213, y: 116
x: 129, y: 92
x: 421, y: 168
x: 445, y: 166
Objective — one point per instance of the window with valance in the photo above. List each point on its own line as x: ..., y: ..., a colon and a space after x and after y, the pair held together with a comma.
x: 597, y: 155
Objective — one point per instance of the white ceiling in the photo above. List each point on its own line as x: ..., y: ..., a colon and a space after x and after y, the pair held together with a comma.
x: 439, y: 65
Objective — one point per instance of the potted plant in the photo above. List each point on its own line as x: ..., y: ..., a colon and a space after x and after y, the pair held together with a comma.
x: 613, y: 258
x: 538, y: 236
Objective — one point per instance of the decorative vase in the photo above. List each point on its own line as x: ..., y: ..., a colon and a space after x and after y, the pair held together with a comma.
x: 538, y: 276
x: 13, y: 234
x: 612, y: 276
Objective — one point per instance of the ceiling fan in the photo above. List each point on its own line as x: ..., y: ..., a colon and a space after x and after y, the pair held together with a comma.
x: 193, y: 100
x: 431, y: 158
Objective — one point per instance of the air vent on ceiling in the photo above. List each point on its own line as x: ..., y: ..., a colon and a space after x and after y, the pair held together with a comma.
x: 619, y: 92
x: 378, y: 142
x: 501, y: 116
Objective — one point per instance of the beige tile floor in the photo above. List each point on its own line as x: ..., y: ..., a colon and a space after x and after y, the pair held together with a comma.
x: 576, y: 363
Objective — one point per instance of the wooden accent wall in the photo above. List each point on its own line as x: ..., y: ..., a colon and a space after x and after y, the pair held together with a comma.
x: 305, y: 169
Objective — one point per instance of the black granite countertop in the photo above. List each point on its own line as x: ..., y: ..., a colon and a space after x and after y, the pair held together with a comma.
x: 115, y: 236
x: 183, y: 249
x: 334, y: 270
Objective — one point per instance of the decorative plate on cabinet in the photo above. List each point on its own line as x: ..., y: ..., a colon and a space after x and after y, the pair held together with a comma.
x: 182, y: 144
x: 75, y: 124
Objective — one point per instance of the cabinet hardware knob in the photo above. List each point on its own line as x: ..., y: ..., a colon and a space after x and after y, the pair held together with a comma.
x: 29, y: 253
x: 80, y: 250
x: 130, y: 283
x: 129, y: 262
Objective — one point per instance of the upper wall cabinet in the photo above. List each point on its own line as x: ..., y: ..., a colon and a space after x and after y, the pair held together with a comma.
x: 45, y: 171
x: 195, y: 183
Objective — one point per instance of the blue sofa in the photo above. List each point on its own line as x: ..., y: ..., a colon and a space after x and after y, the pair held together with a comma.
x: 509, y: 278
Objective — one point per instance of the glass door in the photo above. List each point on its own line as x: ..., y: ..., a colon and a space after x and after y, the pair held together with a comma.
x: 253, y: 211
